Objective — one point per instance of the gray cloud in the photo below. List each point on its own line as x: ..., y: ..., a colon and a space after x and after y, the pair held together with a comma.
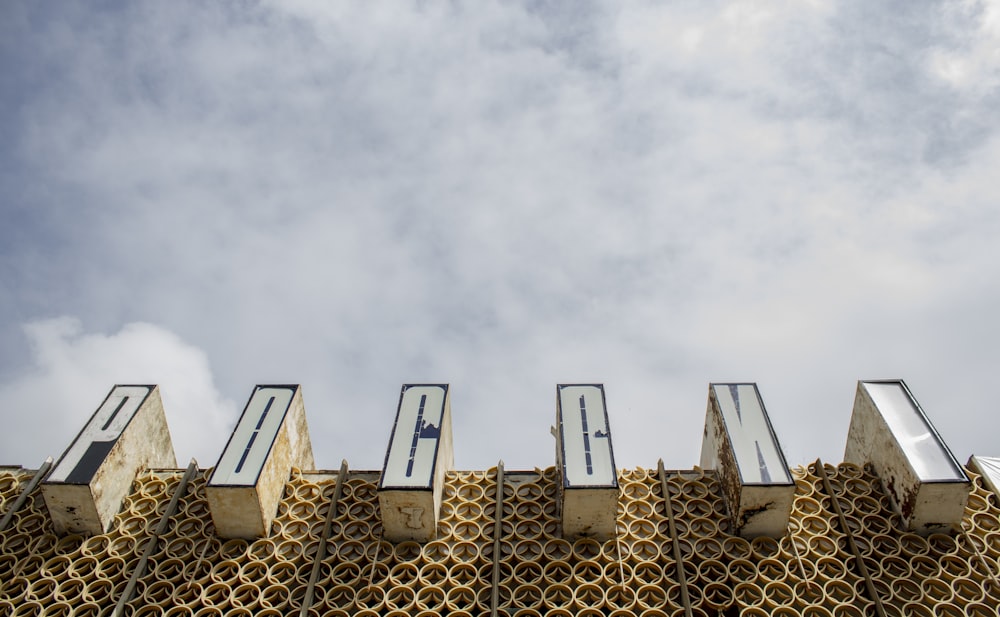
x: 503, y: 199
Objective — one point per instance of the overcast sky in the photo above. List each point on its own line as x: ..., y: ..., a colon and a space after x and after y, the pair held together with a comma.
x: 503, y: 197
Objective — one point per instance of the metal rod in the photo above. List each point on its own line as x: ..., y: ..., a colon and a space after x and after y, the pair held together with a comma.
x: 371, y: 575
x: 338, y: 490
x: 982, y: 560
x: 618, y: 548
x: 497, y: 530
x: 802, y: 567
x: 198, y: 563
x: 621, y: 567
x: 36, y: 479
x: 678, y: 558
x: 161, y: 527
x: 862, y: 568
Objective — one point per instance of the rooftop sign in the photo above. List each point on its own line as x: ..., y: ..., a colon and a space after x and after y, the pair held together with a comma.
x: 271, y: 438
x: 740, y: 444
x: 409, y: 462
x: 584, y: 437
x: 890, y: 432
x: 920, y: 442
x: 243, y: 459
x: 420, y: 452
x: 81, y: 460
x: 126, y: 434
x: 755, y: 446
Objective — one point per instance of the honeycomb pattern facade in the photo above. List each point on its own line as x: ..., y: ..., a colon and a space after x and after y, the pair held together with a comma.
x: 845, y: 553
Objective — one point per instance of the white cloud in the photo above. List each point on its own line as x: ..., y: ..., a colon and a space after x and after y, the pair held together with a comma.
x: 72, y: 371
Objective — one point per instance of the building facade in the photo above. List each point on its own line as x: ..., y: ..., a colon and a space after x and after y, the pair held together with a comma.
x: 680, y: 542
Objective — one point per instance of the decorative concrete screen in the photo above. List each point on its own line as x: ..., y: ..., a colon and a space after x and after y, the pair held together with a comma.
x: 890, y: 431
x: 586, y: 461
x: 269, y: 440
x: 740, y: 442
x: 420, y: 452
x: 126, y: 434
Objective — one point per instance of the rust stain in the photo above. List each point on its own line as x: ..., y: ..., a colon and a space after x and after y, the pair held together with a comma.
x: 748, y: 515
x: 729, y: 480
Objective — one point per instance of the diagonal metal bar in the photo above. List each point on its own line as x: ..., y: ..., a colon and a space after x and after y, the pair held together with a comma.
x: 862, y: 568
x: 36, y: 479
x: 151, y: 543
x: 678, y: 558
x: 497, y: 531
x: 338, y: 491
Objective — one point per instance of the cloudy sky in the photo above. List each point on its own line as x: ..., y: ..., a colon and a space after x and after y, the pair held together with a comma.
x: 500, y: 196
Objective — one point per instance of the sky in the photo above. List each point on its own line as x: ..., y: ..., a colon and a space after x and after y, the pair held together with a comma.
x: 501, y: 196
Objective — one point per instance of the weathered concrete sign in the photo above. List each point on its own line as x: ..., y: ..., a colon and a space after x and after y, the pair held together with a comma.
x: 270, y: 438
x: 740, y: 443
x: 586, y: 462
x: 890, y: 431
x: 126, y: 434
x: 420, y: 452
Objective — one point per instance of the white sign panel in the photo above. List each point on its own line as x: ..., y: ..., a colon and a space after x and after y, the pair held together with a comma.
x: 924, y: 449
x: 585, y: 437
x: 755, y: 447
x: 413, y: 447
x: 81, y: 460
x: 251, y: 441
x: 989, y: 467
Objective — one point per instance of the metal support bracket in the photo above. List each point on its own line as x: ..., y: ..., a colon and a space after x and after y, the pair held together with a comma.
x: 497, y: 531
x: 23, y: 497
x: 678, y: 558
x: 862, y: 569
x: 154, y: 540
x: 338, y: 491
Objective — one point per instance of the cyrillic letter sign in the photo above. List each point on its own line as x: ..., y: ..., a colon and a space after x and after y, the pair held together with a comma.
x: 989, y: 468
x: 270, y: 438
x: 243, y: 459
x: 126, y: 434
x: 585, y: 458
x: 890, y: 431
x: 420, y: 453
x: 740, y: 444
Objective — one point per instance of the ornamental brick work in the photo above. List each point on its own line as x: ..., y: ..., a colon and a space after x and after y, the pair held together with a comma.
x: 504, y: 554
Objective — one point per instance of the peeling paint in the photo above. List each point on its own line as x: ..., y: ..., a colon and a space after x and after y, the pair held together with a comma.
x: 754, y: 509
x: 926, y: 506
x: 89, y: 507
x: 247, y: 511
x: 411, y: 512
